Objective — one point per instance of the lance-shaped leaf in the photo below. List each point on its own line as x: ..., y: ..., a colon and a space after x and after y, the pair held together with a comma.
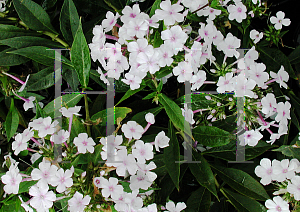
x: 42, y: 55
x: 80, y: 57
x: 10, y: 31
x: 212, y: 136
x: 242, y: 182
x: 199, y: 201
x: 203, y: 173
x: 175, y: 114
x: 69, y: 20
x: 172, y: 156
x: 33, y: 15
x: 41, y: 80
x: 7, y: 59
x: 243, y: 203
x: 103, y: 116
x: 12, y: 121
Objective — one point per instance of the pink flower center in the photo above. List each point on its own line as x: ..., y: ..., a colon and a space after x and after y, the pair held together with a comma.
x: 278, y: 208
x: 269, y: 171
x: 239, y: 10
x: 13, y: 181
x: 132, y: 15
x: 112, y: 21
x: 211, y: 10
x: 142, y: 152
x: 132, y: 130
x: 97, y: 181
x: 111, y: 188
x: 284, y: 171
x: 283, y: 113
x: 85, y: 143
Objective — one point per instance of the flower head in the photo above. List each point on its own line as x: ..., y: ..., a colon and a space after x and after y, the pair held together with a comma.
x: 77, y: 203
x: 42, y: 198
x: 279, y: 20
x: 84, y: 143
x: 277, y: 205
x: 132, y: 130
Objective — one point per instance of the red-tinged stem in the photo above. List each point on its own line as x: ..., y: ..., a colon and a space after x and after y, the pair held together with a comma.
x: 15, y: 78
x: 111, y: 37
x: 35, y: 141
x: 271, y: 81
x: 117, y: 25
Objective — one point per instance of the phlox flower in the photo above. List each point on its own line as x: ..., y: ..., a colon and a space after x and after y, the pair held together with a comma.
x: 110, y: 187
x: 170, y: 206
x: 70, y: 111
x: 149, y: 60
x: 47, y: 127
x: 130, y: 14
x: 139, y: 180
x: 279, y: 20
x: 265, y: 171
x: 62, y: 179
x: 99, y: 35
x: 175, y: 37
x: 283, y: 112
x: 132, y: 130
x: 237, y: 12
x: 133, y: 81
x: 210, y: 12
x: 128, y: 163
x: 252, y: 137
x: 132, y: 201
x: 280, y: 77
x: 161, y: 141
x: 42, y: 198
x: 77, y: 203
x: 19, y: 144
x: 258, y: 74
x: 256, y: 36
x: 188, y: 114
x: 60, y: 137
x: 243, y: 86
x: 44, y: 173
x: 184, y: 71
x: 226, y: 83
x: 110, y: 21
x: 146, y: 169
x: 137, y: 27
x: 283, y: 170
x: 84, y: 143
x: 198, y: 80
x: 229, y: 46
x: 294, y: 187
x: 166, y: 55
x: 269, y: 104
x: 142, y: 151
x: 12, y: 180
x: 277, y: 205
x: 170, y: 13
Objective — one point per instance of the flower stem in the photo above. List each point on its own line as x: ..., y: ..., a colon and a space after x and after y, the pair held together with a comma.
x: 15, y: 78
x: 87, y: 114
x: 111, y: 37
x: 35, y: 141
x: 154, y: 80
x: 55, y: 37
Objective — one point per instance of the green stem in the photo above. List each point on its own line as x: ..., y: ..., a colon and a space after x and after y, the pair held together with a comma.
x: 87, y: 114
x: 154, y: 80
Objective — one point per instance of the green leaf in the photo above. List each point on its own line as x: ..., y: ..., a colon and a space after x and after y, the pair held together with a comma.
x: 228, y: 152
x: 154, y: 7
x: 129, y: 93
x: 10, y: 31
x: 77, y: 128
x: 157, y: 40
x: 68, y: 99
x: 274, y: 58
x: 12, y: 121
x: 25, y: 186
x: 96, y: 156
x: 172, y: 156
x: 212, y: 136
x: 199, y: 201
x: 25, y: 41
x: 41, y: 80
x: 289, y: 151
x: 150, y: 95
x: 72, y: 79
x: 175, y: 114
x: 119, y: 112
x: 69, y: 20
x: 33, y: 15
x: 203, y: 173
x: 242, y: 203
x: 242, y: 182
x: 160, y: 85
x: 294, y: 57
x: 163, y: 72
x: 42, y: 55
x: 80, y: 57
x: 7, y: 59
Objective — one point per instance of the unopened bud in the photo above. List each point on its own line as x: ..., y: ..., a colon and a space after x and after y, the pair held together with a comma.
x: 213, y: 111
x: 209, y: 117
x: 208, y: 97
x: 218, y: 104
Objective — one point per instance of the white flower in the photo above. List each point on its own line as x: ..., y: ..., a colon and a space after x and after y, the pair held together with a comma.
x: 19, y: 144
x: 279, y: 20
x: 226, y: 83
x: 161, y: 141
x: 42, y: 198
x: 60, y: 137
x: 169, y: 13
x: 175, y: 36
x: 294, y: 187
x: 170, y: 206
x: 166, y: 52
x: 137, y: 27
x: 84, y: 143
x: 12, y: 180
x: 283, y: 112
x: 229, y: 46
x: 149, y: 117
x: 132, y: 130
x: 139, y: 180
x: 184, y: 71
x: 133, y: 202
x: 243, y: 86
x: 45, y: 172
x: 47, y: 127
x: 27, y: 134
x: 237, y: 12
x: 210, y: 12
x: 110, y: 187
x: 256, y: 36
x: 188, y: 114
x: 280, y: 77
x: 129, y: 13
x: 258, y: 74
x: 198, y: 80
x: 133, y: 81
x: 23, y: 86
x: 26, y: 207
x: 283, y: 170
x: 252, y: 137
x: 142, y: 151
x: 265, y: 171
x: 29, y: 103
x: 110, y: 21
x: 77, y: 203
x: 277, y: 205
x: 70, y: 111
x: 127, y: 163
x: 149, y: 60
x: 268, y: 104
x: 62, y: 179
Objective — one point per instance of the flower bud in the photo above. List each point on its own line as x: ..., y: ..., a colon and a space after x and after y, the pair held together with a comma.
x: 218, y: 104
x: 209, y: 117
x: 83, y: 174
x: 150, y: 118
x: 213, y: 111
x: 213, y: 119
x: 208, y: 97
x: 230, y: 99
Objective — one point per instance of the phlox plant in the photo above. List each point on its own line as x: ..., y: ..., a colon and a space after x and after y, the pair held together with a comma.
x: 176, y: 136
